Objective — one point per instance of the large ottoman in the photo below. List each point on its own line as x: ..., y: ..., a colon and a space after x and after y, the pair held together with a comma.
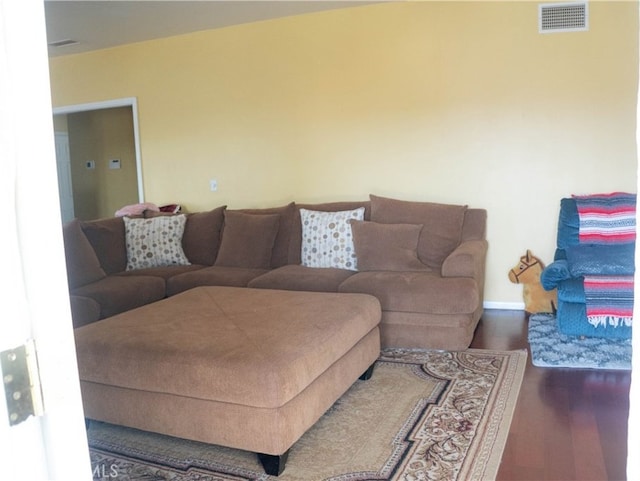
x: 251, y: 369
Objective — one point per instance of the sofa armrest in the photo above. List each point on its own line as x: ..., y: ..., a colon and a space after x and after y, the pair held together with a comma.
x: 467, y: 260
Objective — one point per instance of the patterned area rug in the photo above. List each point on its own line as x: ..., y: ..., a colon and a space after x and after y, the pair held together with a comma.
x: 550, y: 348
x: 424, y: 415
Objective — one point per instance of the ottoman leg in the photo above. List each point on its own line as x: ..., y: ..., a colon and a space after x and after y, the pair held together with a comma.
x: 368, y: 373
x: 273, y: 465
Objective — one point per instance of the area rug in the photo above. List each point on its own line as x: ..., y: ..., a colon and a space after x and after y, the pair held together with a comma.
x: 424, y: 415
x: 551, y: 348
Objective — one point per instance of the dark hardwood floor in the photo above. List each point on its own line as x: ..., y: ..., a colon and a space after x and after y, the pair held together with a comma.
x: 569, y: 424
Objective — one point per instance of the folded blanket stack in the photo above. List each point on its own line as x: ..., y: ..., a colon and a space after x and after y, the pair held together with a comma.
x: 608, y: 220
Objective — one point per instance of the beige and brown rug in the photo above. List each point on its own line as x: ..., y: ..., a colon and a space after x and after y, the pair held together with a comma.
x: 424, y: 415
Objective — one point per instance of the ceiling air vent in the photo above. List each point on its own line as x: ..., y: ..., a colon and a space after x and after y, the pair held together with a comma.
x: 563, y: 17
x: 63, y: 43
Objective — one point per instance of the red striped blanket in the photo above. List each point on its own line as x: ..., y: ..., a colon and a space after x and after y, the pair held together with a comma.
x: 609, y: 300
x: 608, y: 219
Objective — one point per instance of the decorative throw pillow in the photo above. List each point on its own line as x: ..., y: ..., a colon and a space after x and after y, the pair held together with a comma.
x: 327, y: 240
x: 247, y: 240
x: 155, y: 242
x: 387, y: 247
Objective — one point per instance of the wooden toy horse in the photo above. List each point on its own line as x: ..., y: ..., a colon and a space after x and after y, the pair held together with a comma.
x: 536, y: 298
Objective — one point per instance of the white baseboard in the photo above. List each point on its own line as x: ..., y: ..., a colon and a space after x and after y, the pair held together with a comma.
x: 509, y: 306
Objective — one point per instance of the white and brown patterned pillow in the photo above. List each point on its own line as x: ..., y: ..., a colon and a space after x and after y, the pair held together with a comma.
x: 155, y: 242
x: 327, y: 240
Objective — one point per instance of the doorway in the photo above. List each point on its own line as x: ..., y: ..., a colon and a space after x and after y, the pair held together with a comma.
x: 103, y: 169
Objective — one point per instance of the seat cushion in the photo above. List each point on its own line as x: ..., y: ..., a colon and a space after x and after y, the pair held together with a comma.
x: 212, y: 276
x: 425, y: 292
x: 302, y: 278
x: 244, y: 346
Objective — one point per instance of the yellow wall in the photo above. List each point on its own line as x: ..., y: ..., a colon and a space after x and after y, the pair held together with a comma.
x: 452, y: 102
x: 100, y: 136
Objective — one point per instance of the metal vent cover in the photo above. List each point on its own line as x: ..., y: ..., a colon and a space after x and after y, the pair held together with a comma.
x: 63, y: 43
x: 563, y: 17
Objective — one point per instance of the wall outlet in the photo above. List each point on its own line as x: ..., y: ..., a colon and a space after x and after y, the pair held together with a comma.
x: 213, y: 185
x: 114, y: 164
x: 90, y: 164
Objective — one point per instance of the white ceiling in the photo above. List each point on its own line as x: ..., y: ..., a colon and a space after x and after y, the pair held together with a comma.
x: 103, y: 24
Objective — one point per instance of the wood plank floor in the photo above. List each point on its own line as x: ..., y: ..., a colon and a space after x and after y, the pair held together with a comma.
x: 569, y: 424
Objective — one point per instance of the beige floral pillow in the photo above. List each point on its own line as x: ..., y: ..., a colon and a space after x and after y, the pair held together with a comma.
x: 327, y: 240
x: 155, y: 242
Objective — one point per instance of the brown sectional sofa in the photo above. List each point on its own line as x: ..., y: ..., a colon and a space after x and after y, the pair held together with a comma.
x: 425, y: 262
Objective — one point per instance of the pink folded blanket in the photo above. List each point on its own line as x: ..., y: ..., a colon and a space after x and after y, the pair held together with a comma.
x: 136, y: 209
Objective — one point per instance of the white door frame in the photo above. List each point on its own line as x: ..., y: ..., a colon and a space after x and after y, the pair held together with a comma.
x: 65, y: 184
x: 110, y: 104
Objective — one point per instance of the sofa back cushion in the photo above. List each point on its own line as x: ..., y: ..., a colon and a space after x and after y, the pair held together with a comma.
x: 280, y: 252
x: 475, y: 225
x: 202, y: 235
x: 83, y: 266
x: 247, y: 240
x: 295, y: 246
x: 441, y: 225
x: 108, y: 241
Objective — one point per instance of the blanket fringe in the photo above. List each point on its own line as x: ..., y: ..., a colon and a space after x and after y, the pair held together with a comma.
x: 614, y: 321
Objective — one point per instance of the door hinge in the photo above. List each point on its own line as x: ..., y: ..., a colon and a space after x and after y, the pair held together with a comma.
x: 21, y: 381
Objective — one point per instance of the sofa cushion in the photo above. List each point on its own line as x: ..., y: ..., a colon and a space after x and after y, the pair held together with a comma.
x: 442, y: 224
x: 107, y: 238
x: 202, y: 234
x: 387, y: 247
x: 280, y: 252
x: 117, y: 294
x: 327, y: 240
x: 247, y: 240
x: 301, y: 278
x: 295, y: 246
x: 212, y: 276
x: 155, y: 242
x: 83, y: 266
x: 425, y: 291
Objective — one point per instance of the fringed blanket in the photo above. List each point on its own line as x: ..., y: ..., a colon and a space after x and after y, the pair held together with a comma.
x: 608, y: 219
x: 609, y: 300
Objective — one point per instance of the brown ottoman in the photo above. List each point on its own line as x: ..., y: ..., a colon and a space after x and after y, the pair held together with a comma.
x: 251, y: 369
